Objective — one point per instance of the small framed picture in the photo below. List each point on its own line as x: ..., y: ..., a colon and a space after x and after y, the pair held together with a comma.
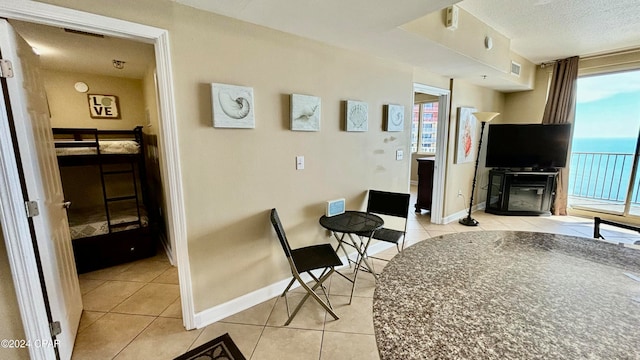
x: 232, y: 106
x: 103, y: 106
x: 305, y: 113
x: 357, y: 116
x: 395, y: 117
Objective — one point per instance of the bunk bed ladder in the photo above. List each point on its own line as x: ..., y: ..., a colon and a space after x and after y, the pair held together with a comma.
x: 102, y: 180
x: 104, y: 174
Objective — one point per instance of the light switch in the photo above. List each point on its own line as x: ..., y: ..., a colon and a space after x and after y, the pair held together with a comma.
x: 299, y: 162
x: 399, y: 154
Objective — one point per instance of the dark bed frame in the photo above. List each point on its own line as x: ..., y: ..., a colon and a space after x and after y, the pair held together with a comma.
x: 116, y: 247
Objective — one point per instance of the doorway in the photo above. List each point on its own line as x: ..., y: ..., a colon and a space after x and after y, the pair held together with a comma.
x: 425, y: 130
x: 23, y: 259
x: 75, y: 66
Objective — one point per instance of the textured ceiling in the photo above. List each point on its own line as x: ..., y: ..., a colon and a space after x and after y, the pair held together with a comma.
x: 543, y: 30
x: 539, y: 30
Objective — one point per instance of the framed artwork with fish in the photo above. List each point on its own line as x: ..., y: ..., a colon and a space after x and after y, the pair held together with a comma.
x: 305, y: 112
x: 232, y: 106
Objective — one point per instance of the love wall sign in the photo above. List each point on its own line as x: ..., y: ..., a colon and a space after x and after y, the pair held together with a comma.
x: 103, y: 106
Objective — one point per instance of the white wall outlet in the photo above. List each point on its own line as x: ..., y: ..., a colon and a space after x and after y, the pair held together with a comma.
x: 399, y: 154
x: 459, y: 192
x: 299, y: 162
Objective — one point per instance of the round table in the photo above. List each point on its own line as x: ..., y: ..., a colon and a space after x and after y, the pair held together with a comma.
x: 351, y: 222
x: 509, y: 295
x: 348, y: 224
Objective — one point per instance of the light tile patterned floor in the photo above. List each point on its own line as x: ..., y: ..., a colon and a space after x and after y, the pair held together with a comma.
x: 132, y: 311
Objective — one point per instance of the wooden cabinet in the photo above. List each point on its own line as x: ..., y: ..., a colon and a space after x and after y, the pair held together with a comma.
x: 425, y: 183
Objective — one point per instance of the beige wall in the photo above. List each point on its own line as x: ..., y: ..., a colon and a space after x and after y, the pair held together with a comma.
x: 232, y: 177
x: 468, y: 39
x: 425, y: 77
x: 70, y: 108
x: 241, y: 174
x: 618, y: 61
x: 527, y: 107
x: 9, y: 312
x: 460, y: 176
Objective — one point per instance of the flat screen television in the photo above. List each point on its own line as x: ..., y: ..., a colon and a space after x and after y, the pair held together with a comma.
x: 537, y: 146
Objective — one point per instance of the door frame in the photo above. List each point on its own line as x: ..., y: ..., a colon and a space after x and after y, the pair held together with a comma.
x: 442, y: 143
x: 22, y: 258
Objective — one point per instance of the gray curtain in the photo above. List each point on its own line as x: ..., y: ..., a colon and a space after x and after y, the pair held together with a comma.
x: 560, y: 109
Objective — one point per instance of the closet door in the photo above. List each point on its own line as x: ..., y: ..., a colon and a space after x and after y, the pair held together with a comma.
x: 30, y: 115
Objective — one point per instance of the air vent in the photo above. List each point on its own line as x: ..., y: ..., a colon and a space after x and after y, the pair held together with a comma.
x: 83, y: 33
x: 515, y: 68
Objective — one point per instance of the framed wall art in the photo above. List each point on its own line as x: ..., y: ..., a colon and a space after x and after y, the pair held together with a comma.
x: 103, y: 106
x: 232, y: 106
x: 395, y: 118
x: 305, y: 113
x: 466, y: 140
x: 357, y: 116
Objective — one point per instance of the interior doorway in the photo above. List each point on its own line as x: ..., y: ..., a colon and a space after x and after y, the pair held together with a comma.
x: 102, y: 197
x: 431, y: 133
x: 22, y: 259
x: 109, y: 240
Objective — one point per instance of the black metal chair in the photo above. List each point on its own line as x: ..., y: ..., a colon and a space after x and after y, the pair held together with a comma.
x: 306, y: 259
x: 390, y: 204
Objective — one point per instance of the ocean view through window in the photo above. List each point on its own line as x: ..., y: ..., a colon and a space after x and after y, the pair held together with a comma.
x: 605, y: 136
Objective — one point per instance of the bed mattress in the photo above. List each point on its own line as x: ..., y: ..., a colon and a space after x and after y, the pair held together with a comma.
x: 106, y: 147
x: 92, y: 222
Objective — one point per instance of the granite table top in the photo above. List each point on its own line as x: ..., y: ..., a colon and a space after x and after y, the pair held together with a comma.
x: 509, y: 295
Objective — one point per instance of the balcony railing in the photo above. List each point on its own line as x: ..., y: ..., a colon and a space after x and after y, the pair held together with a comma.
x: 602, y: 176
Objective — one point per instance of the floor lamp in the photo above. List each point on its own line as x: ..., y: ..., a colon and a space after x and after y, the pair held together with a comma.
x: 483, y: 117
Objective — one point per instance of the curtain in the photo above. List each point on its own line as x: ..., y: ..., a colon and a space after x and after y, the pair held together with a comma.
x: 560, y: 109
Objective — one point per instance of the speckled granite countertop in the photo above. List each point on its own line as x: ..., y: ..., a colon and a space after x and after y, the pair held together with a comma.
x: 509, y: 295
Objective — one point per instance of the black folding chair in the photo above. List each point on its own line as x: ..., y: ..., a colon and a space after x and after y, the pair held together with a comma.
x: 390, y: 204
x: 303, y: 260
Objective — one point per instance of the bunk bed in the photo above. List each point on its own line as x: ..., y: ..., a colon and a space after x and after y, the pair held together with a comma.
x: 117, y: 228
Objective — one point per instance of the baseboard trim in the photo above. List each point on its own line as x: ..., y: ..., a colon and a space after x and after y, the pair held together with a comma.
x: 462, y: 213
x: 234, y: 306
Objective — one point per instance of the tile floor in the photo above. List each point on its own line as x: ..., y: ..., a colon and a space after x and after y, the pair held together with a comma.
x: 132, y: 311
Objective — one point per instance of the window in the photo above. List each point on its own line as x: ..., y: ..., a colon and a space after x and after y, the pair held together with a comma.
x: 424, y: 127
x: 604, y: 144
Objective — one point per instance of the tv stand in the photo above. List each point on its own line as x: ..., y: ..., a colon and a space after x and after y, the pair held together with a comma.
x: 516, y: 192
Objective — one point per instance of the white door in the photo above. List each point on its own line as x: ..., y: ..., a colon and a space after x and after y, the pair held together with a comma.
x: 30, y: 114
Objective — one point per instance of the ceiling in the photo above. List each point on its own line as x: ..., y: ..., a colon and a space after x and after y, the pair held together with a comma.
x: 544, y: 30
x: 86, y: 53
x: 539, y: 30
